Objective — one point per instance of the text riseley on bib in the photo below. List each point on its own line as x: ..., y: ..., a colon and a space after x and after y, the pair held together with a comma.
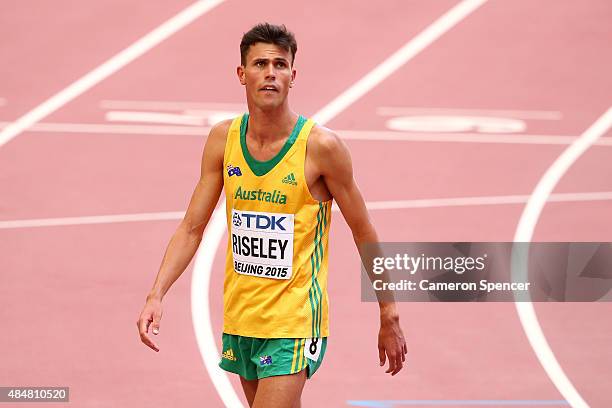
x: 262, y: 244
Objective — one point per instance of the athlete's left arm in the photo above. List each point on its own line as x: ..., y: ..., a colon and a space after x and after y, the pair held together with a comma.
x: 334, y: 164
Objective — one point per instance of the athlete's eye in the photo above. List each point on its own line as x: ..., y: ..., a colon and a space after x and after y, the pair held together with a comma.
x: 281, y: 64
x: 259, y: 63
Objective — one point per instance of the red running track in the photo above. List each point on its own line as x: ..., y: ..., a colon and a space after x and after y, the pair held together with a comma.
x: 71, y: 294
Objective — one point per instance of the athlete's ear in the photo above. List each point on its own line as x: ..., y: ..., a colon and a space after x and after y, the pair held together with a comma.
x: 293, y: 74
x: 241, y: 74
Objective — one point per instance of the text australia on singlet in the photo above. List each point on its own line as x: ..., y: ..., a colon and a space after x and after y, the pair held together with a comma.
x: 262, y: 242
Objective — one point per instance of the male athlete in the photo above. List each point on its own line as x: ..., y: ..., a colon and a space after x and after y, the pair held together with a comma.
x: 280, y: 172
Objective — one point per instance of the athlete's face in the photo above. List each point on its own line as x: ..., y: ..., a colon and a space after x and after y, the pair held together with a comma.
x: 267, y: 75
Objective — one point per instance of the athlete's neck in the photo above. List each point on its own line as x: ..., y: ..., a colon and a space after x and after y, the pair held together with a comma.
x: 269, y: 126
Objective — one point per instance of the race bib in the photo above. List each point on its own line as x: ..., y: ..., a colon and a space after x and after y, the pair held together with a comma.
x: 262, y: 244
x: 312, y: 348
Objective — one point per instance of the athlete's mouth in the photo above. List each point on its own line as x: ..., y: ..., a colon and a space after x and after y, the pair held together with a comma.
x: 269, y: 88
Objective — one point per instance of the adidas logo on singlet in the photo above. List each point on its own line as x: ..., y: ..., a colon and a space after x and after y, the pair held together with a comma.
x: 229, y: 354
x: 290, y: 179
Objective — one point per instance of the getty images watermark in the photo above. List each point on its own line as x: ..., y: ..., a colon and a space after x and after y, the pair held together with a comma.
x: 488, y: 271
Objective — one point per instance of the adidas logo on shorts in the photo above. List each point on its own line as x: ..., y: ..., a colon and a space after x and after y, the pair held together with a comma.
x: 290, y: 179
x: 229, y: 354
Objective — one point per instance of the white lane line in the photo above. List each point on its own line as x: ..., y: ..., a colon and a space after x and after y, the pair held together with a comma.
x: 384, y: 136
x: 524, y: 233
x: 108, y: 68
x: 518, y: 114
x: 215, y: 231
x: 485, y: 200
x: 364, y: 135
x: 98, y: 128
x: 92, y: 219
x: 155, y: 117
x: 412, y: 48
x: 171, y: 105
x: 371, y: 205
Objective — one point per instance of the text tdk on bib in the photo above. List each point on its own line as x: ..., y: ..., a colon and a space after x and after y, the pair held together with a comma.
x: 262, y: 243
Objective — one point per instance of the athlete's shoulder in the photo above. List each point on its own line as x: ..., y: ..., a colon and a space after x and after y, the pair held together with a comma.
x: 214, y: 147
x: 325, y: 144
x: 218, y: 133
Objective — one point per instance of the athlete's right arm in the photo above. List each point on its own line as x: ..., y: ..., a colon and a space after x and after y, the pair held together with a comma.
x: 187, y: 237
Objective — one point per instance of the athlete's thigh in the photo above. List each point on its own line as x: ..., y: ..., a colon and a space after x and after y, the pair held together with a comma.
x: 250, y: 388
x: 280, y: 391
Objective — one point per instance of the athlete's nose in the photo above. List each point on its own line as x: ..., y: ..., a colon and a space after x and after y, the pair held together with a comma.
x: 270, y: 72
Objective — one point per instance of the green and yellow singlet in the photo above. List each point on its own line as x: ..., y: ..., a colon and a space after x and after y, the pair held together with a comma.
x: 276, y: 267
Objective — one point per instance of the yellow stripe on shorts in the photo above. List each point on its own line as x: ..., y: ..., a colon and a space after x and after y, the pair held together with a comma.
x: 295, y: 347
x: 301, y: 363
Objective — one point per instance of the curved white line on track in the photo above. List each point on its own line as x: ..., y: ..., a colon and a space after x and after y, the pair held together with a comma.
x: 200, y: 313
x: 524, y: 233
x: 204, y: 258
x: 108, y: 68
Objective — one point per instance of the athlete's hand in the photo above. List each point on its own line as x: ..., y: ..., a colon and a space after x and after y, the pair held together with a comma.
x: 151, y: 313
x: 391, y: 343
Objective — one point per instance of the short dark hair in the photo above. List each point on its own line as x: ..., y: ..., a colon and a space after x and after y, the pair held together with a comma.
x: 270, y: 34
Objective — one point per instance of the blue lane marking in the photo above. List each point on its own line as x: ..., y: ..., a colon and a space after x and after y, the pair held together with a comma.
x: 480, y: 403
